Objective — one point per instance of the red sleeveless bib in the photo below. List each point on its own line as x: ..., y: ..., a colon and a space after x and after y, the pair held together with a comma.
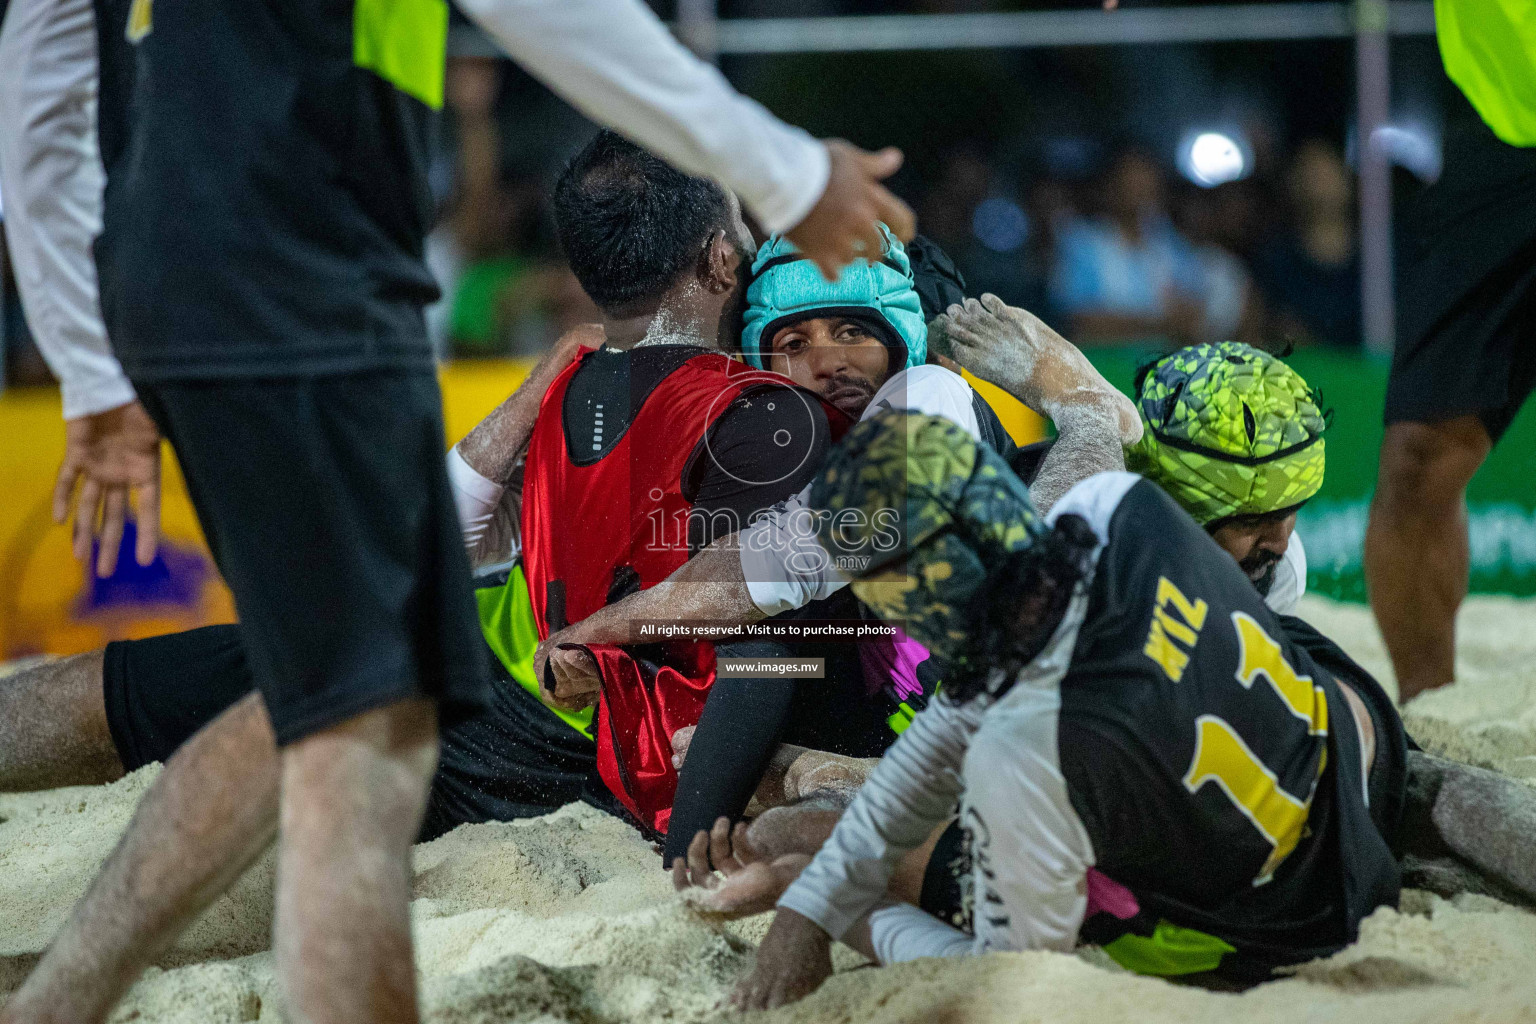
x: 620, y: 523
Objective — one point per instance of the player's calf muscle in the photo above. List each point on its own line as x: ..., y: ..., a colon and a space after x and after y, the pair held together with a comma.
x: 197, y: 828
x: 353, y: 798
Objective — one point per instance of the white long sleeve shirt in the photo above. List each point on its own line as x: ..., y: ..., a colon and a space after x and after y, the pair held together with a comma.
x: 616, y: 63
x: 51, y: 177
x: 610, y: 58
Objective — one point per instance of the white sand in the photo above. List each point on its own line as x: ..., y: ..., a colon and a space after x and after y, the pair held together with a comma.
x: 568, y: 918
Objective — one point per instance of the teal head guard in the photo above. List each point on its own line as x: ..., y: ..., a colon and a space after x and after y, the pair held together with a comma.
x: 786, y: 288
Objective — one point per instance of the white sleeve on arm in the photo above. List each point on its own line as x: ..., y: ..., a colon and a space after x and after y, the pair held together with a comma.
x: 910, y: 793
x: 784, y: 566
x: 616, y: 63
x: 486, y: 519
x: 900, y: 932
x: 51, y: 179
x: 1030, y: 849
x: 931, y: 390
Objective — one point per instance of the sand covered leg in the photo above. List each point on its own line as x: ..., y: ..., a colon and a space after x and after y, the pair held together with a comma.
x: 210, y: 813
x: 53, y: 727
x: 353, y: 800
x: 1468, y: 829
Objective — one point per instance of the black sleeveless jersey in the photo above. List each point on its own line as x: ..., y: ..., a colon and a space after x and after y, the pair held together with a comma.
x: 266, y: 198
x: 1213, y: 762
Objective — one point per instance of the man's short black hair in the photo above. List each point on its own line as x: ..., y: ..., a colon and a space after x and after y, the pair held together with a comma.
x: 630, y: 223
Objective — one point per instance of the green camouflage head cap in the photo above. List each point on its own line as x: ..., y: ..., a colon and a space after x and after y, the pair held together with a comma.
x: 1229, y: 430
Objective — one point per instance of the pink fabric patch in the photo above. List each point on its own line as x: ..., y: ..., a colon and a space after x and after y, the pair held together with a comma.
x: 892, y: 661
x: 1105, y: 895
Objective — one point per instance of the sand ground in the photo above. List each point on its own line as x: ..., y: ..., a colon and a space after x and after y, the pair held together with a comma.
x: 568, y: 918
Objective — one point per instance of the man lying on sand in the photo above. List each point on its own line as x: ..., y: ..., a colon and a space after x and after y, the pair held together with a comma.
x: 1195, y: 405
x: 90, y: 718
x: 1144, y: 759
x: 1194, y: 445
x: 660, y: 253
x: 860, y: 343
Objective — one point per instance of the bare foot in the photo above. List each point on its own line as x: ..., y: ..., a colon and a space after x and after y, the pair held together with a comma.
x: 821, y: 772
x: 1019, y: 352
x: 744, y: 885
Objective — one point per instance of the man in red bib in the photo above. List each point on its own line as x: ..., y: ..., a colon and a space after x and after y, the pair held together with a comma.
x: 653, y: 445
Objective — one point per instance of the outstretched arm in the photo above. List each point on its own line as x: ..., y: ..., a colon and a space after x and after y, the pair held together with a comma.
x: 709, y: 587
x: 52, y: 183
x: 911, y: 792
x: 1017, y: 351
x: 52, y: 178
x: 614, y: 61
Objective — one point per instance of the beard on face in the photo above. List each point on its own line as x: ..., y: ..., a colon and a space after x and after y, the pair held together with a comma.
x: 849, y: 393
x: 1261, y: 566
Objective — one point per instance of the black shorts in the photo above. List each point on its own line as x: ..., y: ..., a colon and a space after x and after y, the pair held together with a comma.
x: 514, y: 760
x: 326, y: 503
x: 1466, y: 310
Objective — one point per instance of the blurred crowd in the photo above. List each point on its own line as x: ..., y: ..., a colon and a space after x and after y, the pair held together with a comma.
x: 1105, y: 239
x: 1117, y: 249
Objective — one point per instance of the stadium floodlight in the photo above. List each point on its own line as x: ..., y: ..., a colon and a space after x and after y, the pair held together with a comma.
x: 1411, y: 146
x: 1212, y: 158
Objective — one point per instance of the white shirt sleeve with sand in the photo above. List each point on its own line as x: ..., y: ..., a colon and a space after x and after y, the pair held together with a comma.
x: 783, y: 565
x: 1030, y: 851
x: 488, y: 518
x: 51, y: 179
x: 616, y: 63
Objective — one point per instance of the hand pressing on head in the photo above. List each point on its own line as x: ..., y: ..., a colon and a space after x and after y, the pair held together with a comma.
x: 1017, y: 351
x: 841, y: 227
x: 741, y: 882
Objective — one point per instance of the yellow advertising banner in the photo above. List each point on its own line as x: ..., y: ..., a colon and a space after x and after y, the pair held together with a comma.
x: 51, y: 604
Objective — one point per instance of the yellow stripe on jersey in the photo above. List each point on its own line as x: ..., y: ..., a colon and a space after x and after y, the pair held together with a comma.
x: 1222, y: 757
x: 141, y: 20
x: 1259, y: 655
x: 404, y: 42
x: 1489, y: 50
